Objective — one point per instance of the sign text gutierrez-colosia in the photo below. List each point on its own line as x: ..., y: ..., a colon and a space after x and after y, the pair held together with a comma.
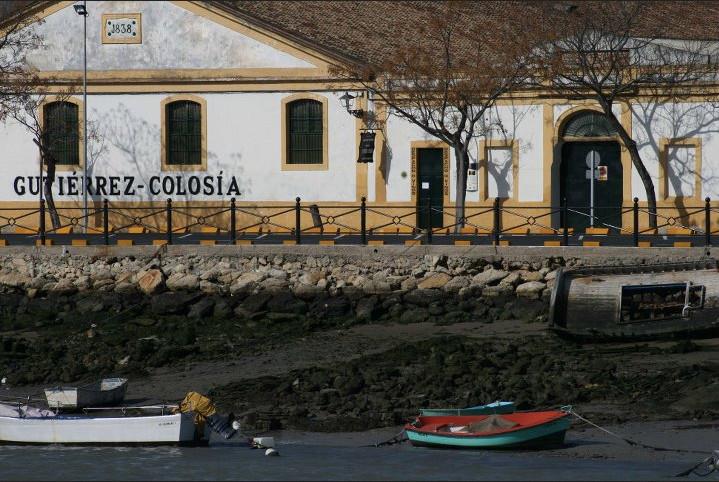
x: 169, y: 185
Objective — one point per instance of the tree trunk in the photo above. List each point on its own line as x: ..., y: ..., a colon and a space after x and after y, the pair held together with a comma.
x: 461, y: 157
x: 47, y: 159
x: 631, y: 146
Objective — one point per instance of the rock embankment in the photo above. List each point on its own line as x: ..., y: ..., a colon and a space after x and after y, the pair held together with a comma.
x: 280, y: 288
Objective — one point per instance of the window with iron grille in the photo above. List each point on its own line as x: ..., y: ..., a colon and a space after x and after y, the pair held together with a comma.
x: 304, y: 132
x: 62, y: 132
x: 184, y: 132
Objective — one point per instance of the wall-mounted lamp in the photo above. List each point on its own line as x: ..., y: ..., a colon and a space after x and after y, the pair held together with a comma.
x: 347, y: 103
x: 80, y: 9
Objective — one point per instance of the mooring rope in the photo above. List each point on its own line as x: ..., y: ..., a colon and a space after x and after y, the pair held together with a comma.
x: 712, y: 461
x: 397, y: 439
x: 634, y: 442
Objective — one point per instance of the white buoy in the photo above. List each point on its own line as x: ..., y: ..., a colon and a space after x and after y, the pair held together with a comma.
x: 4, y: 380
x: 235, y: 425
x: 272, y: 452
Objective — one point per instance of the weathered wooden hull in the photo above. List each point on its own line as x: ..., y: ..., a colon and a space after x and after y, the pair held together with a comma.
x: 637, y: 302
x: 494, y: 407
x: 161, y: 429
x: 535, y: 435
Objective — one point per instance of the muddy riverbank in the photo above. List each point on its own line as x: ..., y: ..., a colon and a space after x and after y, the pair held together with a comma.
x: 332, y: 342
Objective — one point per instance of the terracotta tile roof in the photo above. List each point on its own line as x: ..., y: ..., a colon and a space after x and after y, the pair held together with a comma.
x: 371, y: 30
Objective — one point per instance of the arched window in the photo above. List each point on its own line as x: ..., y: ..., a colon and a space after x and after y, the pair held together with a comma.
x: 184, y: 132
x: 305, y: 131
x: 61, y: 131
x: 589, y: 124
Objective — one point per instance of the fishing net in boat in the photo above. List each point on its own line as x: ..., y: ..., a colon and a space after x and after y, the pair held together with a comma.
x: 491, y: 423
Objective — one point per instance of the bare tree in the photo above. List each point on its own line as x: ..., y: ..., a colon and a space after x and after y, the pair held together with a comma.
x: 608, y: 53
x: 22, y: 96
x: 445, y: 83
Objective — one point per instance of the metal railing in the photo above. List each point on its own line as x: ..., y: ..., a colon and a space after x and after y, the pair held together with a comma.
x: 313, y: 223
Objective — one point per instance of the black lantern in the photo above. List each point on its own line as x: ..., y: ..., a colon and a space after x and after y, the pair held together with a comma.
x: 366, y: 147
x: 80, y: 10
x: 346, y: 100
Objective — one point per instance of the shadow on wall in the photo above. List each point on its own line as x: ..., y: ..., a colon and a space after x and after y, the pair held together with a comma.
x: 679, y: 123
x: 137, y: 143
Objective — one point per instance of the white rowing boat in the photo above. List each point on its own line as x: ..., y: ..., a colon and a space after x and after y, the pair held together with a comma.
x: 20, y: 424
x: 108, y: 391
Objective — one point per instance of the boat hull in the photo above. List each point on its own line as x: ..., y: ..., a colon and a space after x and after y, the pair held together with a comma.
x: 109, y: 391
x: 162, y: 429
x: 540, y: 435
x: 492, y: 408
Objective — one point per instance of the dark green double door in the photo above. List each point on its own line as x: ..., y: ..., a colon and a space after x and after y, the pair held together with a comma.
x: 575, y: 185
x: 430, y: 187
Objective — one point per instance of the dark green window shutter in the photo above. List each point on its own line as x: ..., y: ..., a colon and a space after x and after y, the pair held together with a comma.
x: 62, y: 132
x: 184, y: 132
x: 304, y: 132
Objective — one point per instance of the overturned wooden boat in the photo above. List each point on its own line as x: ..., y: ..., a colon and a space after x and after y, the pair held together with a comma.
x: 108, y: 391
x: 488, y: 409
x: 641, y: 301
x: 506, y: 431
x: 138, y: 425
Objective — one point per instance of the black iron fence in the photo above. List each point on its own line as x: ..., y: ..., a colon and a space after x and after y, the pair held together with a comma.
x: 500, y: 223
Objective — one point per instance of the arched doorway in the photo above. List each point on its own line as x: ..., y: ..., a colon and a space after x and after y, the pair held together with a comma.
x: 587, y: 137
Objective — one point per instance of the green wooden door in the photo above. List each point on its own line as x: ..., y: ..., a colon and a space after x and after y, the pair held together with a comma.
x: 430, y: 187
x: 575, y: 186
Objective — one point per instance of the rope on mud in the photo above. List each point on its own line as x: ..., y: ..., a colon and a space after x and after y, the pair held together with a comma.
x: 397, y: 439
x: 712, y: 463
x: 633, y: 442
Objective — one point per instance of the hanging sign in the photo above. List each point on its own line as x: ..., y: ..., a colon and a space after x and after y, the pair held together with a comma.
x: 366, y: 147
x: 472, y: 182
x: 602, y: 173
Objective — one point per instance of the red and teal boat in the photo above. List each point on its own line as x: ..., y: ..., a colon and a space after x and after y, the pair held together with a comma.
x: 512, y: 430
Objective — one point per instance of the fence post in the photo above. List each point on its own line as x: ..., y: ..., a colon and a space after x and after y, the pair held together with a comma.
x: 707, y: 222
x: 106, y: 221
x: 169, y: 221
x: 363, y: 220
x: 496, y: 227
x: 298, y: 227
x: 429, y: 221
x: 41, y: 227
x: 233, y: 222
x: 565, y: 222
x: 635, y: 210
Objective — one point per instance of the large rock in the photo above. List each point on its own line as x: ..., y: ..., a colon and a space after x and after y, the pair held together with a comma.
x: 531, y: 289
x: 311, y: 278
x: 376, y: 287
x: 422, y: 297
x: 366, y: 309
x: 436, y: 280
x: 531, y: 275
x: 285, y: 302
x: 15, y: 279
x: 202, y: 309
x: 489, y: 277
x: 183, y: 282
x: 307, y: 292
x: 246, y: 282
x: 512, y: 279
x: 153, y: 281
x: 456, y: 284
